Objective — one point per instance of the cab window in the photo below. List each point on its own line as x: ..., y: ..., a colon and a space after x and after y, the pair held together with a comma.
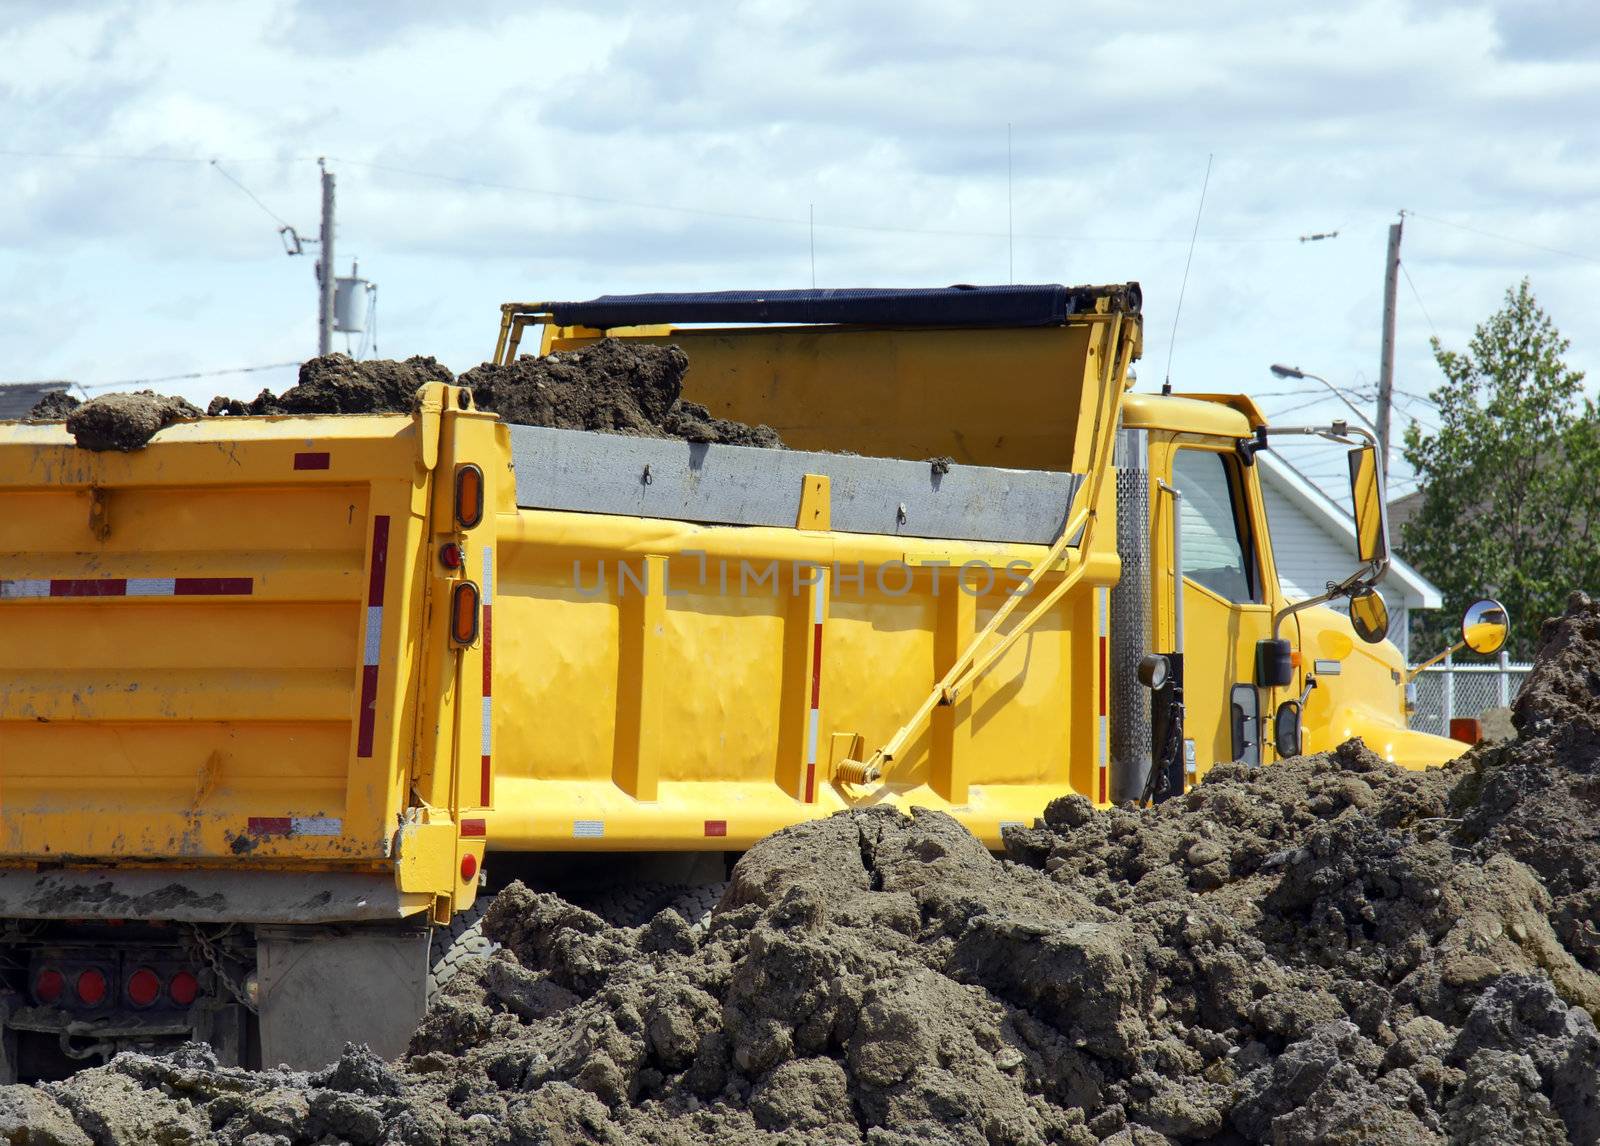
x: 1216, y: 533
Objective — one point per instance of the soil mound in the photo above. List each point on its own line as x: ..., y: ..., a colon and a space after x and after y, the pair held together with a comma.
x: 125, y: 421
x: 615, y: 386
x: 338, y: 384
x: 1327, y: 950
x: 53, y: 407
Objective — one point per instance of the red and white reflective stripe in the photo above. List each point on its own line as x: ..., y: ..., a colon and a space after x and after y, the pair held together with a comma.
x: 128, y: 587
x: 1103, y: 628
x: 487, y: 613
x: 368, y: 718
x: 295, y: 826
x: 814, y: 717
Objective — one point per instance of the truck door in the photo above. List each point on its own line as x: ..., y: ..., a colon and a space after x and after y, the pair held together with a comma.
x: 1227, y: 605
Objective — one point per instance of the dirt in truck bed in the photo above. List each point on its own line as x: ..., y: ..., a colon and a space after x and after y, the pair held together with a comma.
x: 612, y: 386
x: 1326, y: 950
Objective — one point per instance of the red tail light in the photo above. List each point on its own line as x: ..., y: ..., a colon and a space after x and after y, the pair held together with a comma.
x: 48, y: 986
x: 144, y: 987
x: 184, y: 988
x: 91, y: 987
x: 469, y: 867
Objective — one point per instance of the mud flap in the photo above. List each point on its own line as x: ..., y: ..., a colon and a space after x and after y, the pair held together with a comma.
x: 322, y: 989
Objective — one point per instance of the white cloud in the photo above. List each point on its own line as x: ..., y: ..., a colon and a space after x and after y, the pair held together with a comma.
x: 889, y: 119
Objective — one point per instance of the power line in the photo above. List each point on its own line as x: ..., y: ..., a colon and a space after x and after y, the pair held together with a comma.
x: 648, y: 205
x: 1418, y: 297
x: 220, y: 170
x: 1505, y: 238
x: 187, y: 377
x: 782, y: 220
x: 111, y: 158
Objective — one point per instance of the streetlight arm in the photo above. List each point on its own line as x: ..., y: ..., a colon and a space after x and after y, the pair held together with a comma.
x: 1296, y: 372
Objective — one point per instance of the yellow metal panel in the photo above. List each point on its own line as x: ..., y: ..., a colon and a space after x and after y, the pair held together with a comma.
x: 986, y: 397
x: 183, y: 637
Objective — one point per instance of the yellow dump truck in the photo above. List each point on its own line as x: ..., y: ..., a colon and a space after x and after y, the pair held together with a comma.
x: 280, y: 695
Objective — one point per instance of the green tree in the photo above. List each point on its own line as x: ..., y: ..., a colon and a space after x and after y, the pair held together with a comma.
x: 1509, y: 500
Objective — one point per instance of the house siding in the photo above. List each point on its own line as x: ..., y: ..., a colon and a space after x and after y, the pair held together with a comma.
x: 1307, y: 556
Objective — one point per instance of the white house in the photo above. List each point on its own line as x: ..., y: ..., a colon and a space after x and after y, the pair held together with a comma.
x: 1313, y: 541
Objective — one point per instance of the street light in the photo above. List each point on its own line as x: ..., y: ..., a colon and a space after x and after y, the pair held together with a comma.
x: 1296, y: 372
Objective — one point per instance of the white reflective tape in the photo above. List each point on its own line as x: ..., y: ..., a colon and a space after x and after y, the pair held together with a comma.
x: 151, y: 586
x: 488, y: 725
x: 316, y: 826
x: 374, y: 633
x: 1104, y: 596
x: 811, y: 737
x: 1105, y: 739
x: 588, y: 829
x: 819, y: 603
x: 488, y: 574
x: 29, y: 588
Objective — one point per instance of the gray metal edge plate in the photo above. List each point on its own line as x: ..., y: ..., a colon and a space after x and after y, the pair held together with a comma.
x: 744, y: 485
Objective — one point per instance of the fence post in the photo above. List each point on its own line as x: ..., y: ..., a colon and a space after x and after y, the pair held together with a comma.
x: 1505, y: 679
x: 1447, y: 695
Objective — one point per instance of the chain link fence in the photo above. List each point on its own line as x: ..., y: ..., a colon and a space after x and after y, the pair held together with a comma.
x: 1449, y: 690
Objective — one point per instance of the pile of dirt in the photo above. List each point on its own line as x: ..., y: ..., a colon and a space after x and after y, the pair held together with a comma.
x: 338, y: 384
x: 1328, y: 950
x: 612, y: 386
x: 123, y: 421
x: 53, y: 407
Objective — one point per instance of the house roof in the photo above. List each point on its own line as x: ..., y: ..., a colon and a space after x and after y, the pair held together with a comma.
x: 17, y: 398
x: 1335, y: 520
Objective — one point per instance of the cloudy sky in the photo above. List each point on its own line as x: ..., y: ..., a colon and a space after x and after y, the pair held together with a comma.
x: 545, y: 151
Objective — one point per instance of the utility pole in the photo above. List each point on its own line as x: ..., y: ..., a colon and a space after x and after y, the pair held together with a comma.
x: 325, y: 283
x: 1391, y: 277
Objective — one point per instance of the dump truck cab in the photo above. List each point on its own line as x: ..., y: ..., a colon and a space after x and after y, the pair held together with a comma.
x: 1197, y: 453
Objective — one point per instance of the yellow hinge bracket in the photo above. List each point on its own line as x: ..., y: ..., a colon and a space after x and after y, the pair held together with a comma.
x: 816, y: 503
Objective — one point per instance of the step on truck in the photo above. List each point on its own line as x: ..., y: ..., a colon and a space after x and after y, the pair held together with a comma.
x: 282, y: 698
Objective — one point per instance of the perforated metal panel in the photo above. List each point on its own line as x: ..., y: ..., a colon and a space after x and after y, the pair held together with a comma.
x: 1130, y: 621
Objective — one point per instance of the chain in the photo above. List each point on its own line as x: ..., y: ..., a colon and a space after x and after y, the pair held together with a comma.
x: 217, y: 962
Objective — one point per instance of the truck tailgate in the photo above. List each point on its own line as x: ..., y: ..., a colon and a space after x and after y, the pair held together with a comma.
x: 201, y: 641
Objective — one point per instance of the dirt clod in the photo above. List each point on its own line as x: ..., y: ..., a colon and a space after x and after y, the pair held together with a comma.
x: 1327, y: 950
x: 125, y: 421
x: 53, y: 407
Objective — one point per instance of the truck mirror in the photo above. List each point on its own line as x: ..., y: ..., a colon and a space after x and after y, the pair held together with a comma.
x: 1274, y: 662
x: 1286, y: 729
x: 1369, y: 614
x: 1366, y: 493
x: 1485, y: 626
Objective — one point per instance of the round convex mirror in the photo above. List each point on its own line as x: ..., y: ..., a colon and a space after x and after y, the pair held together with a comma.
x: 1485, y: 626
x: 1370, y: 616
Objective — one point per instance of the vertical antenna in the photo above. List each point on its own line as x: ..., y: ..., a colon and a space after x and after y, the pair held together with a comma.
x: 1011, y: 261
x: 813, y: 210
x: 1166, y: 384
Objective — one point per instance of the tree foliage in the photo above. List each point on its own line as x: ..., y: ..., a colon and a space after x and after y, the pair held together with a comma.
x: 1508, y: 482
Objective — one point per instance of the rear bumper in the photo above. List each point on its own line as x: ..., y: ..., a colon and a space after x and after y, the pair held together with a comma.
x: 207, y: 896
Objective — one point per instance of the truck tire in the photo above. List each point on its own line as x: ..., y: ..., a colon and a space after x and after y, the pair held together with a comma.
x: 452, y: 947
x: 633, y: 905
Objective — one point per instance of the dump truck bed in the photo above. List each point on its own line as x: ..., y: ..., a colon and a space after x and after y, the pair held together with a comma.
x: 203, y: 643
